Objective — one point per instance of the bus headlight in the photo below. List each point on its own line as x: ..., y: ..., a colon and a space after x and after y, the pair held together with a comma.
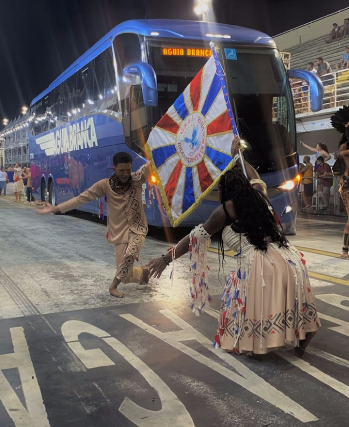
x: 288, y: 185
x: 291, y: 184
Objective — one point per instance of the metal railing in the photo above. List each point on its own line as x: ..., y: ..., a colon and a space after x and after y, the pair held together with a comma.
x: 319, y: 205
x: 336, y: 91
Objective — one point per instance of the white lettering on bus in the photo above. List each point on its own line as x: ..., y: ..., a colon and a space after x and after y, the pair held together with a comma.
x: 75, y: 137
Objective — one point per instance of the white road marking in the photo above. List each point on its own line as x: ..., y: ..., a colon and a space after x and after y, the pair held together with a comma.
x: 342, y: 329
x: 35, y: 414
x: 315, y: 373
x: 334, y: 299
x: 246, y: 378
x: 172, y: 413
x: 316, y: 283
x: 327, y: 356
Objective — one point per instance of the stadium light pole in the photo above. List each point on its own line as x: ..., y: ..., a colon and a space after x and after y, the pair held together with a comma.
x: 203, y: 8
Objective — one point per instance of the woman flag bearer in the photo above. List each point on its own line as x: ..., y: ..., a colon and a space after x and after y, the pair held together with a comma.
x: 267, y: 300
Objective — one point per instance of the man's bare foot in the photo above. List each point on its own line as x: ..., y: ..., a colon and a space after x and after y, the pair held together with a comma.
x: 145, y: 275
x: 116, y: 293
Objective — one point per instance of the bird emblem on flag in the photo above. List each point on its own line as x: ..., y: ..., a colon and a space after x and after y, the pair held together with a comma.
x: 189, y: 148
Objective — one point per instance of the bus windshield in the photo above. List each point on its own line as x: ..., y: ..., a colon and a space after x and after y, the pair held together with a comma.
x: 262, y: 105
x: 258, y: 89
x: 174, y: 69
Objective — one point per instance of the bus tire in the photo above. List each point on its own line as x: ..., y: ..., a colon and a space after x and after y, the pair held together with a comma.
x: 43, y: 191
x: 52, y: 196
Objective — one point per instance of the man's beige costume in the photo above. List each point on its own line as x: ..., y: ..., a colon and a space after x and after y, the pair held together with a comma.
x: 127, y: 223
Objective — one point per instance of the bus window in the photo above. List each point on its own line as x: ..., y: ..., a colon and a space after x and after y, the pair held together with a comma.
x: 138, y: 121
x: 103, y: 82
x: 127, y: 50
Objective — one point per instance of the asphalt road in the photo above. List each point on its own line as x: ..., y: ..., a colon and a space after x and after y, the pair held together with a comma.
x: 71, y: 355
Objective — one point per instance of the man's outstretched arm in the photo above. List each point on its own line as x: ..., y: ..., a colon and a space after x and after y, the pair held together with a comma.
x: 98, y: 190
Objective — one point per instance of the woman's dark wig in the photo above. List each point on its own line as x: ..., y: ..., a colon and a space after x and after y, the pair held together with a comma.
x: 254, y: 218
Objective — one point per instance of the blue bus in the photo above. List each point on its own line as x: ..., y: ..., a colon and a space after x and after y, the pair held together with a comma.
x: 109, y: 99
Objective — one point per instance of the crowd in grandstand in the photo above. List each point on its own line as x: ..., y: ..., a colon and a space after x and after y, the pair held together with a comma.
x: 318, y: 179
x: 329, y: 75
x: 338, y: 31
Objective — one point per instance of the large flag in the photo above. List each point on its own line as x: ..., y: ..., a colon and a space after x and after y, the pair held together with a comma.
x: 189, y: 148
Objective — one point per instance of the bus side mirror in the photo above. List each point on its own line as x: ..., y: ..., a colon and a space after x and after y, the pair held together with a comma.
x: 148, y: 79
x: 316, y: 88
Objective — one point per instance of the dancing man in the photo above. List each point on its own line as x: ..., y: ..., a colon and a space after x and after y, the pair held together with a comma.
x: 127, y: 224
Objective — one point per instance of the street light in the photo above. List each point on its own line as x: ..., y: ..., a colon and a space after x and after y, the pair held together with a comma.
x: 24, y: 109
x: 202, y: 8
x: 5, y: 122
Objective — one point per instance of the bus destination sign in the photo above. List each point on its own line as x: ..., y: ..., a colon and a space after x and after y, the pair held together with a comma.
x: 186, y: 51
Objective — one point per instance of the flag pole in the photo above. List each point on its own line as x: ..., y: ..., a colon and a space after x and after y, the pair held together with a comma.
x: 220, y: 74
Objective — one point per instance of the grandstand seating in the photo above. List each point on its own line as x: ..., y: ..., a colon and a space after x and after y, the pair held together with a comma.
x: 302, y: 53
x: 306, y: 52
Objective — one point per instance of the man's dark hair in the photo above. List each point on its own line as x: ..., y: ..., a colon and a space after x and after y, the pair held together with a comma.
x: 321, y: 159
x: 320, y: 58
x: 311, y: 63
x: 335, y: 24
x: 121, y: 157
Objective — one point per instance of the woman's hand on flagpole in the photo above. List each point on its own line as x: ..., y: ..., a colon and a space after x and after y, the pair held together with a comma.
x: 235, y: 146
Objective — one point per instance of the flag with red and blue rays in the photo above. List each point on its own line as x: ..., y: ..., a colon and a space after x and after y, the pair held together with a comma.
x: 189, y: 148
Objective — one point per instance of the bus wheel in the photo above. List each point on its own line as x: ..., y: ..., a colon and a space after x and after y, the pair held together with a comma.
x: 43, y: 191
x: 51, y: 194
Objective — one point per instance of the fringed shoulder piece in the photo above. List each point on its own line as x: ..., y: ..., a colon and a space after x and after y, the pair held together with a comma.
x: 199, y: 292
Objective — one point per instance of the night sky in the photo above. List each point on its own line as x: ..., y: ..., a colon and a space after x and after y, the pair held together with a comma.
x: 39, y: 39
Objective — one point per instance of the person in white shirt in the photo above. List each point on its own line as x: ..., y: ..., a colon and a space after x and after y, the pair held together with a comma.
x: 310, y: 67
x: 3, y: 181
x: 17, y: 176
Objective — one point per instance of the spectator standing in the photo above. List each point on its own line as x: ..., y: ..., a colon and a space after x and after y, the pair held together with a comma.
x: 3, y: 181
x: 320, y: 150
x: 29, y: 190
x: 345, y: 58
x: 17, y: 177
x: 338, y: 170
x: 308, y: 189
x: 25, y: 180
x: 324, y: 179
